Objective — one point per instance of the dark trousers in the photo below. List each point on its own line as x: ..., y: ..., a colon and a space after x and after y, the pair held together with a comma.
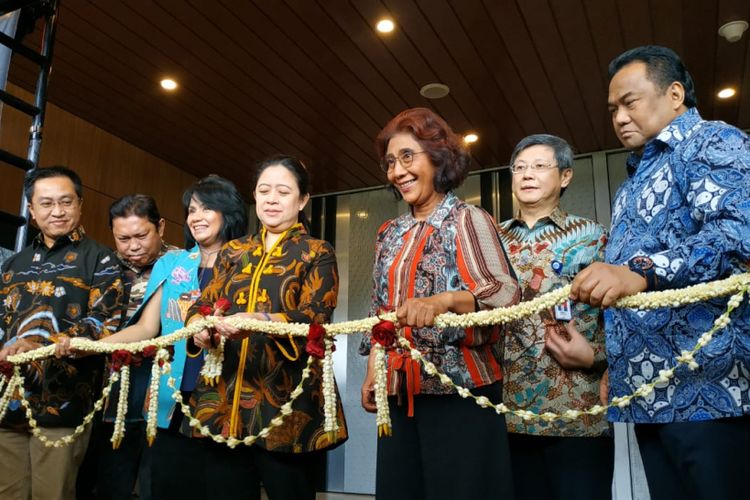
x: 450, y: 449
x: 108, y: 474
x: 237, y: 474
x: 178, y: 465
x: 186, y: 468
x: 696, y: 460
x: 562, y: 468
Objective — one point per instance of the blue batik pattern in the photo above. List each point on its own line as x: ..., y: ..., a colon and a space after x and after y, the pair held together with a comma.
x: 686, y: 205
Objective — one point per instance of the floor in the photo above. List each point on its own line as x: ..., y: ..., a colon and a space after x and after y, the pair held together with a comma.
x: 334, y: 496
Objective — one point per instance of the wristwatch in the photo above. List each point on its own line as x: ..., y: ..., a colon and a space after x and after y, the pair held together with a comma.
x: 644, y: 266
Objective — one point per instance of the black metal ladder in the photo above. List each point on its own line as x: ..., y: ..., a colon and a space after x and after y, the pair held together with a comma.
x: 36, y: 111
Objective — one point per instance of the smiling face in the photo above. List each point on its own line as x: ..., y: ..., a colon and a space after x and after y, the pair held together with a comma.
x: 55, y: 207
x: 137, y: 239
x: 639, y: 108
x: 204, y: 224
x: 278, y: 201
x: 415, y: 182
x: 539, y: 188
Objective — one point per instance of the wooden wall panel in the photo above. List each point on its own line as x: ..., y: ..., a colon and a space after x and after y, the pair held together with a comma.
x: 109, y: 168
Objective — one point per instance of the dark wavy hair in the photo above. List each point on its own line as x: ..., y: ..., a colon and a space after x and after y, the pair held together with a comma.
x: 221, y: 195
x: 442, y: 145
x: 297, y: 169
x: 663, y: 67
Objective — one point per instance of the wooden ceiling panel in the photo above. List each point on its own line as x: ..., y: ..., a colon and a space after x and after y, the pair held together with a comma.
x: 494, y: 55
x: 518, y: 39
x: 558, y: 72
x: 500, y: 140
x: 585, y: 69
x: 635, y: 19
x: 314, y: 79
x: 665, y: 19
x: 432, y: 45
x: 699, y: 22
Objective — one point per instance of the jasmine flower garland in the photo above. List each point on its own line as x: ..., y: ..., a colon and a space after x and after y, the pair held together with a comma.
x: 737, y: 285
x: 160, y: 366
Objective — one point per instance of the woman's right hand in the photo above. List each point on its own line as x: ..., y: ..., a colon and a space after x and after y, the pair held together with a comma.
x: 368, y: 386
x: 203, y: 340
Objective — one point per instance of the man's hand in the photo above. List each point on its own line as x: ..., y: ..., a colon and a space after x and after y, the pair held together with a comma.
x: 602, y: 284
x: 573, y: 354
x: 18, y: 347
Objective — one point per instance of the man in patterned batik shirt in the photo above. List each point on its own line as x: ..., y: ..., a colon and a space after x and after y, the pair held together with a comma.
x: 553, y: 361
x: 681, y: 218
x: 63, y: 284
x: 137, y: 229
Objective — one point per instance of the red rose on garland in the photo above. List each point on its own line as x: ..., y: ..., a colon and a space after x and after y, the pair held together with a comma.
x: 316, y: 346
x: 150, y: 351
x: 222, y: 305
x: 219, y: 308
x: 121, y: 358
x: 6, y: 369
x: 384, y: 333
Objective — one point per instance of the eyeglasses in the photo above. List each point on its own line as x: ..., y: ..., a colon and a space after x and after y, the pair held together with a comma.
x: 405, y: 157
x: 534, y: 167
x: 65, y: 203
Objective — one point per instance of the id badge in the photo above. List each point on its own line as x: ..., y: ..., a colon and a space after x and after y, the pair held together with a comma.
x: 564, y: 312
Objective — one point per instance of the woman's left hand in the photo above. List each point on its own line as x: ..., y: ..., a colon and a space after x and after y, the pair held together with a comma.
x: 224, y: 329
x: 421, y: 312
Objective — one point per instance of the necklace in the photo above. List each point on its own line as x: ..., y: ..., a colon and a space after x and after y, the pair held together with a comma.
x: 207, y: 257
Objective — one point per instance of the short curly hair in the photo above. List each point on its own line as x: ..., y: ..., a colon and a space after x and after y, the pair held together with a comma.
x: 445, y: 149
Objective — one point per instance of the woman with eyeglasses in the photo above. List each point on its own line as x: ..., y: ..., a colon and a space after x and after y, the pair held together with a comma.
x: 443, y: 255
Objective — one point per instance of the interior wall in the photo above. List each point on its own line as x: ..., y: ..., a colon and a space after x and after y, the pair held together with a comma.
x: 109, y: 168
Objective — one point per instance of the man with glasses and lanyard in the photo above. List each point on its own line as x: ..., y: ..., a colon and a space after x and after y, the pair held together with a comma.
x: 554, y: 360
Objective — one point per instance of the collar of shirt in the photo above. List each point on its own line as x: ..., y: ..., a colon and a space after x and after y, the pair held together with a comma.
x: 259, y: 237
x: 405, y: 222
x: 558, y: 217
x: 74, y: 236
x: 670, y: 137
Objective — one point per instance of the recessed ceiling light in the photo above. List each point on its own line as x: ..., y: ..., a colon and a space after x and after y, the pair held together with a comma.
x: 362, y: 214
x: 726, y: 93
x: 168, y: 84
x: 471, y: 138
x: 385, y: 25
x: 434, y: 90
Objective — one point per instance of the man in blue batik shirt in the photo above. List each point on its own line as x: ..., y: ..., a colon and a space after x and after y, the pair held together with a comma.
x: 682, y: 217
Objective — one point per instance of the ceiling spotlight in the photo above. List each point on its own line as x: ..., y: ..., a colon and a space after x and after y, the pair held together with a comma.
x: 385, y: 25
x: 434, y: 90
x: 168, y: 84
x: 733, y: 30
x: 362, y: 214
x: 471, y: 138
x: 726, y: 93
